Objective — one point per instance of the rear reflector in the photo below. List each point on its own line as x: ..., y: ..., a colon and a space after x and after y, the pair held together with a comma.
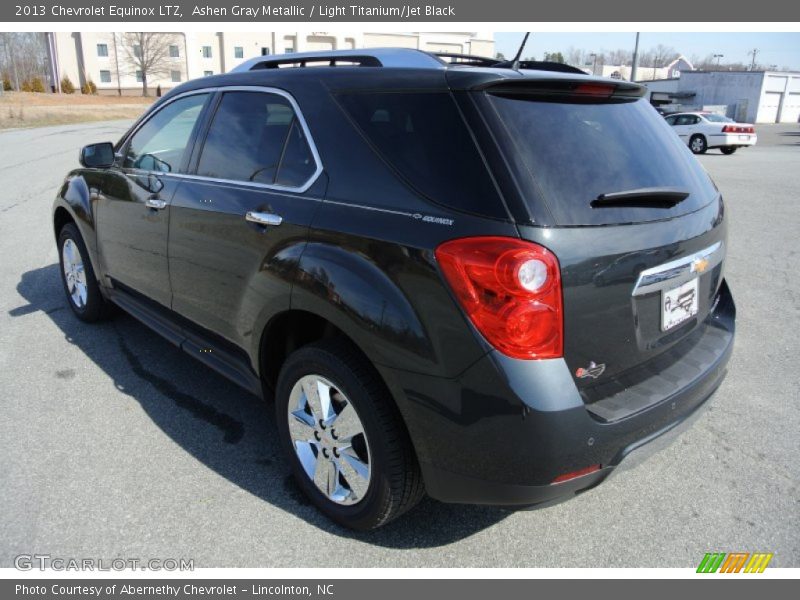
x: 511, y: 291
x: 576, y: 474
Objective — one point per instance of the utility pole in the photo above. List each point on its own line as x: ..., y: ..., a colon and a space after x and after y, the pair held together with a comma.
x: 116, y: 63
x: 754, y: 52
x: 718, y: 56
x: 52, y: 62
x: 635, y: 64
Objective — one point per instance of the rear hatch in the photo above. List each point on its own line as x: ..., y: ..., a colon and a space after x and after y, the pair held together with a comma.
x: 633, y: 218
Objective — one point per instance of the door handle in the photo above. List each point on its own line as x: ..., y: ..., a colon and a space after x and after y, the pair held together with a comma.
x: 263, y: 218
x: 156, y: 203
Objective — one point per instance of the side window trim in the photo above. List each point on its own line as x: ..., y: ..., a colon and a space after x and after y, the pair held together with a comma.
x: 185, y: 164
x: 298, y: 118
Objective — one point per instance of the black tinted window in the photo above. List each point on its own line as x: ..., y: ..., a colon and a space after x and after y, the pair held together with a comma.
x: 297, y: 165
x: 574, y: 152
x: 424, y: 138
x: 247, y: 138
x: 160, y: 143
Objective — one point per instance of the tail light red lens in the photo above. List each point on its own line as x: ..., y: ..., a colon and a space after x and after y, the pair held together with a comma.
x: 510, y: 290
x: 738, y: 129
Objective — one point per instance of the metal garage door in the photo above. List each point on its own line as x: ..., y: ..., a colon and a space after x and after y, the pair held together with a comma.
x: 791, y: 108
x: 768, y: 111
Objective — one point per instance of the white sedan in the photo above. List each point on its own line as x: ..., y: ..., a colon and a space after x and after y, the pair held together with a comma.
x: 702, y: 130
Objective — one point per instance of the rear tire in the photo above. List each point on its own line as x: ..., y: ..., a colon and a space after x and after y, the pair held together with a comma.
x: 728, y: 149
x: 366, y: 473
x: 77, y: 276
x: 698, y: 144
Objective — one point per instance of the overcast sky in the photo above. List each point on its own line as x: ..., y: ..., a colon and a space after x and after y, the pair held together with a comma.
x: 781, y: 49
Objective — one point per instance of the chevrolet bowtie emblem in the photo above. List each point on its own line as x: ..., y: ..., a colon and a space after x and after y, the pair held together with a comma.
x: 700, y: 265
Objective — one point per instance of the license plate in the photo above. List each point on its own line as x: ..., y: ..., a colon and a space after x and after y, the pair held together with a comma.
x: 744, y: 138
x: 678, y: 304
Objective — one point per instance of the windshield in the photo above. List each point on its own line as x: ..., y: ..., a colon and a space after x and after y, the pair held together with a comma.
x: 717, y: 118
x: 571, y: 153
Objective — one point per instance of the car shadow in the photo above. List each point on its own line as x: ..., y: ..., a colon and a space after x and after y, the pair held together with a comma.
x: 222, y: 426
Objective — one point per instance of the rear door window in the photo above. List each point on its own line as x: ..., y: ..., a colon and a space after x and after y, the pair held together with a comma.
x: 573, y: 152
x: 257, y: 137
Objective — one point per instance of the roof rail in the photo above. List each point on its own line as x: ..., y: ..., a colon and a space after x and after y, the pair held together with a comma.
x: 466, y: 59
x: 361, y: 57
x: 541, y: 65
x: 483, y: 61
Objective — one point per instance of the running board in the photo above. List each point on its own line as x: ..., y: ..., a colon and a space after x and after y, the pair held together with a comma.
x: 193, y: 343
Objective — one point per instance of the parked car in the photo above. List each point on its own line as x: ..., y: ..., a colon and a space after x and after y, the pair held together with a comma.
x: 704, y: 130
x: 402, y: 253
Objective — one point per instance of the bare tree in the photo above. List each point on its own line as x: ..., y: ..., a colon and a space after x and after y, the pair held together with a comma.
x: 662, y: 55
x: 147, y: 54
x: 23, y: 57
x: 575, y: 56
x: 620, y: 56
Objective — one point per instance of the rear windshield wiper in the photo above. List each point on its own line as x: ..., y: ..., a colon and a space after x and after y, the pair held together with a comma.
x: 656, y: 197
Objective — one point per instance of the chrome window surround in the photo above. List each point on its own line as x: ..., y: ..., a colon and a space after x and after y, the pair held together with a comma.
x: 678, y: 271
x: 238, y: 88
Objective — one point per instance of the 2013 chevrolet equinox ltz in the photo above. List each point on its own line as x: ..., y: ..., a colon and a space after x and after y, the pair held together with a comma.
x: 489, y: 284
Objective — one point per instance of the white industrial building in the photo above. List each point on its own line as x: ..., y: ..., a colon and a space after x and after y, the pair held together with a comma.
x: 746, y: 96
x: 102, y: 57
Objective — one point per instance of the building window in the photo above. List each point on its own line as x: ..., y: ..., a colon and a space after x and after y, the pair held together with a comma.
x: 238, y: 52
x: 102, y: 50
x: 288, y: 49
x: 174, y: 51
x: 137, y: 51
x: 105, y: 76
x: 139, y: 76
x: 265, y: 51
x: 206, y: 51
x: 175, y: 76
x: 207, y: 73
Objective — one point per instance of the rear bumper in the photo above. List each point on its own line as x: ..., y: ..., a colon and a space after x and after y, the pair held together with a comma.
x: 732, y: 139
x: 505, y: 429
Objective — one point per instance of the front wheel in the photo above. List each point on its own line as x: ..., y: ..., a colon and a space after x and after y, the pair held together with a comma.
x: 347, y: 447
x: 80, y: 284
x: 728, y: 149
x: 698, y: 144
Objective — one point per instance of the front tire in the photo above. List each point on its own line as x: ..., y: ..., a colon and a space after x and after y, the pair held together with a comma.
x: 347, y: 447
x: 80, y: 284
x: 728, y: 149
x: 698, y: 144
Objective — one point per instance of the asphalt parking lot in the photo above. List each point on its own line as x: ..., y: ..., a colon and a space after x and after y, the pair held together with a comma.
x: 114, y: 443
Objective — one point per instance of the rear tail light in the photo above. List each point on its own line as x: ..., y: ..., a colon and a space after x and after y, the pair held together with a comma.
x: 510, y: 290
x: 738, y: 129
x: 576, y: 474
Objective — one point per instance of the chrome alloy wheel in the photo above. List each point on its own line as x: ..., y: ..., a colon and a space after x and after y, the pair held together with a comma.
x: 329, y: 440
x: 698, y: 144
x: 74, y: 273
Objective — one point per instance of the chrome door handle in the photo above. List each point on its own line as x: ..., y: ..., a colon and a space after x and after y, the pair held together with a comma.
x: 156, y: 203
x: 263, y: 218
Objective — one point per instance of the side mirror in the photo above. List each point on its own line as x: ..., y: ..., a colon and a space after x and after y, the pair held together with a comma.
x: 97, y: 156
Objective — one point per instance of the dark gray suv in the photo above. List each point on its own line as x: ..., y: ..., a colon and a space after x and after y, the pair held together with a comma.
x: 483, y: 281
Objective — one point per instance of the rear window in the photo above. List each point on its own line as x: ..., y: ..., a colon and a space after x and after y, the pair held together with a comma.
x: 574, y: 152
x: 423, y: 137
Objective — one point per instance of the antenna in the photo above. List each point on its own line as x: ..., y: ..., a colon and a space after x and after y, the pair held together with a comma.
x: 514, y: 63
